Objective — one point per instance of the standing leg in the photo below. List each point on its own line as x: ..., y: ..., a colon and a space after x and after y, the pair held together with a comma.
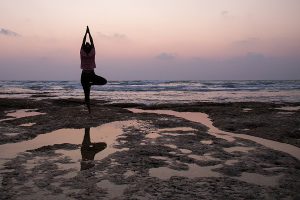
x: 85, y: 82
x: 87, y: 89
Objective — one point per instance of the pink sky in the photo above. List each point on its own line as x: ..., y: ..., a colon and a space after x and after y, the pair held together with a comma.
x: 139, y: 39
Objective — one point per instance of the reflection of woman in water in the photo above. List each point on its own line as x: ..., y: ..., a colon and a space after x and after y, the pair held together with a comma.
x: 89, y: 150
x: 88, y: 76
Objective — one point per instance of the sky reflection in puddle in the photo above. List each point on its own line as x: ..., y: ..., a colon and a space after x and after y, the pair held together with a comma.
x: 15, y: 114
x: 92, y: 140
x: 193, y: 172
x: 208, y: 142
x: 103, y: 138
x: 259, y: 179
x: 205, y: 120
x: 177, y: 129
x: 27, y: 124
x: 205, y: 157
x: 289, y: 108
x: 198, y: 171
x: 170, y: 132
x: 239, y: 149
x: 152, y: 135
x: 231, y: 162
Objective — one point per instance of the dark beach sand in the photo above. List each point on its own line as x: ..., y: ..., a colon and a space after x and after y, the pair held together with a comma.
x: 148, y: 155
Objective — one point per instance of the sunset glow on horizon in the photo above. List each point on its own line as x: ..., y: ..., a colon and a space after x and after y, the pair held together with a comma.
x: 142, y: 39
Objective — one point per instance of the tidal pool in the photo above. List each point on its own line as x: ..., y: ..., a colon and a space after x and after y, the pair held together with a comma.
x: 92, y: 140
x: 205, y: 120
x: 195, y: 170
x: 15, y: 114
x: 192, y: 172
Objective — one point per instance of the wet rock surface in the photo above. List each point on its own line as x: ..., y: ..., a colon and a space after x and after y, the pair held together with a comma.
x: 69, y: 113
x: 265, y: 120
x: 143, y: 166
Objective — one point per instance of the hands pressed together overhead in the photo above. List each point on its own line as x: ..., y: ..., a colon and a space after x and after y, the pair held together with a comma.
x: 90, y: 37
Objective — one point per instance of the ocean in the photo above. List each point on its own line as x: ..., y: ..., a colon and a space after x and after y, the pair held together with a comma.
x: 154, y: 92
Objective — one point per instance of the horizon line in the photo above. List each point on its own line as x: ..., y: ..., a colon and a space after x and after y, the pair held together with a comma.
x: 165, y: 80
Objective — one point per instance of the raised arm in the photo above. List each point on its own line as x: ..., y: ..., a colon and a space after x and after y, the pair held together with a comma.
x: 90, y: 36
x: 84, y: 38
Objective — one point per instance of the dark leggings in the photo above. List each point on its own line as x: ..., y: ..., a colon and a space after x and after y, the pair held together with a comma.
x: 87, y: 80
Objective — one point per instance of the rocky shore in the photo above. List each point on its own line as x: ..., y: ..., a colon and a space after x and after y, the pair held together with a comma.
x: 153, y: 156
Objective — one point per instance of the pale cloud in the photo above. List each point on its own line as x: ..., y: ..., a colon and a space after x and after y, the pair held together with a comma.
x: 7, y: 32
x: 166, y: 56
x: 246, y: 42
x: 115, y: 36
x: 255, y: 56
x: 224, y: 13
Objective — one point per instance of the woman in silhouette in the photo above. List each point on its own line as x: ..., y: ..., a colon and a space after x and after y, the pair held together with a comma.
x: 88, y: 76
x: 89, y: 150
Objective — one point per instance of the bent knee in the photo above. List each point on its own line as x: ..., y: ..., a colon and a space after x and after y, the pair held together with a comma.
x: 104, y: 81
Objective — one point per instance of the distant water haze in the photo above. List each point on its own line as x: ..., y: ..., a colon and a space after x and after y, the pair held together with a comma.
x: 142, y: 40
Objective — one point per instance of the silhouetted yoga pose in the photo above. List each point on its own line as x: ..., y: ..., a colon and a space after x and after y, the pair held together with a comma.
x: 88, y: 76
x: 89, y: 150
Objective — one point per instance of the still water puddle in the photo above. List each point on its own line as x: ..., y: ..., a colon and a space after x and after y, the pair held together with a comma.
x: 177, y: 134
x: 27, y: 124
x: 205, y: 120
x: 171, y: 146
x: 259, y: 179
x: 205, y: 157
x: 160, y: 158
x: 239, y: 149
x: 289, y: 108
x: 208, y: 171
x: 195, y: 171
x: 231, y: 162
x: 92, y: 140
x: 11, y: 134
x: 15, y: 114
x: 97, y: 143
x: 186, y: 151
x: 192, y: 172
x: 208, y: 142
x: 152, y: 135
x: 170, y: 132
x: 285, y: 113
x: 176, y: 129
